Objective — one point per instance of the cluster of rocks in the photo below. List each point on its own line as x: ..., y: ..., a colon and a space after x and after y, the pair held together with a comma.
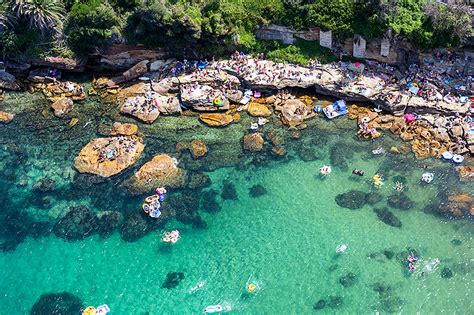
x: 429, y: 136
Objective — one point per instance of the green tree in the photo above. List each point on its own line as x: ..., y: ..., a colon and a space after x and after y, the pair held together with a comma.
x: 369, y: 18
x: 90, y: 25
x: 44, y: 15
x: 334, y: 15
x: 405, y: 17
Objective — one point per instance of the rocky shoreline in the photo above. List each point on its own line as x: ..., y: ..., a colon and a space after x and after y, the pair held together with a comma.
x: 283, y: 96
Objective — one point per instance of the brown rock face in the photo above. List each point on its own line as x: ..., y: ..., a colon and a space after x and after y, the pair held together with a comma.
x: 108, y: 156
x: 216, y: 120
x: 132, y: 73
x: 5, y: 117
x: 160, y: 171
x: 137, y: 107
x: 466, y: 173
x: 62, y: 106
x: 124, y: 129
x: 293, y: 112
x: 259, y: 110
x: 198, y: 148
x: 253, y: 142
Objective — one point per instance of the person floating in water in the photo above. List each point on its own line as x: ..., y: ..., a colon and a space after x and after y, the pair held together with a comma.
x: 358, y: 172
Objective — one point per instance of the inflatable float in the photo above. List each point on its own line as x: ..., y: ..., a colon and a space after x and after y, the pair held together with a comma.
x: 214, y: 309
x: 317, y: 108
x: 341, y: 248
x: 447, y: 155
x: 325, y: 170
x: 427, y: 177
x: 104, y: 309
x: 171, y: 237
x: 337, y: 109
x: 377, y: 181
x: 458, y: 158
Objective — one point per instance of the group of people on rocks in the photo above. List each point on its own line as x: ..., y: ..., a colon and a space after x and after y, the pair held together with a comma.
x: 115, y: 147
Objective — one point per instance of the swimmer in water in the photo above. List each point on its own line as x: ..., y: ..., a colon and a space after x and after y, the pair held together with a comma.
x: 358, y: 172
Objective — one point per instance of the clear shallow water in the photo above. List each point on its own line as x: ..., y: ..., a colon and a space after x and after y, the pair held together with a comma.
x: 285, y: 240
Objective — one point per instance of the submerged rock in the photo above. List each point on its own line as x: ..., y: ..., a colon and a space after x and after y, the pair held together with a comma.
x: 253, y: 142
x: 319, y: 305
x: 257, y: 191
x: 209, y: 202
x: 456, y: 242
x: 62, y: 106
x: 387, y: 217
x: 57, y: 304
x: 466, y: 173
x: 134, y: 227
x: 124, y: 129
x: 216, y: 120
x: 44, y: 185
x: 108, y: 156
x: 108, y: 222
x: 14, y: 228
x: 259, y: 110
x: 348, y: 280
x: 228, y: 191
x: 373, y: 197
x: 446, y: 273
x: 161, y: 171
x: 5, y: 117
x: 172, y: 280
x: 400, y: 201
x: 198, y: 148
x: 353, y: 199
x: 78, y: 223
x: 337, y: 156
x: 335, y: 301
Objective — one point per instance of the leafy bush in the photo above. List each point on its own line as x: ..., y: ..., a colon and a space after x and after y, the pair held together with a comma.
x: 90, y: 25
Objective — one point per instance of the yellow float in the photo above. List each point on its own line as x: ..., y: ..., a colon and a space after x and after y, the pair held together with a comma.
x: 89, y: 311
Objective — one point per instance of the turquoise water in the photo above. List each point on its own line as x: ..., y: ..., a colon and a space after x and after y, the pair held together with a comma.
x: 285, y: 240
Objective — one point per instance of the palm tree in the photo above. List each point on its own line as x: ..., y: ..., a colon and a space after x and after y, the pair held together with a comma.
x: 45, y: 15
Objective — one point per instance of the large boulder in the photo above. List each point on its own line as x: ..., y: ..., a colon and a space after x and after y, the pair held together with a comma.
x: 120, y: 57
x: 466, y: 173
x: 293, y: 112
x: 5, y: 117
x: 124, y: 129
x: 203, y: 98
x: 132, y: 73
x: 216, y: 120
x: 253, y: 142
x: 62, y: 106
x: 78, y: 223
x: 8, y: 81
x: 137, y: 106
x: 43, y: 75
x: 60, y: 63
x: 108, y: 156
x: 198, y: 149
x: 259, y: 110
x: 58, y: 304
x: 162, y: 170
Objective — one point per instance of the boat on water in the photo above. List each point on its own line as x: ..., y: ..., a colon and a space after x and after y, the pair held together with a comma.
x: 337, y: 109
